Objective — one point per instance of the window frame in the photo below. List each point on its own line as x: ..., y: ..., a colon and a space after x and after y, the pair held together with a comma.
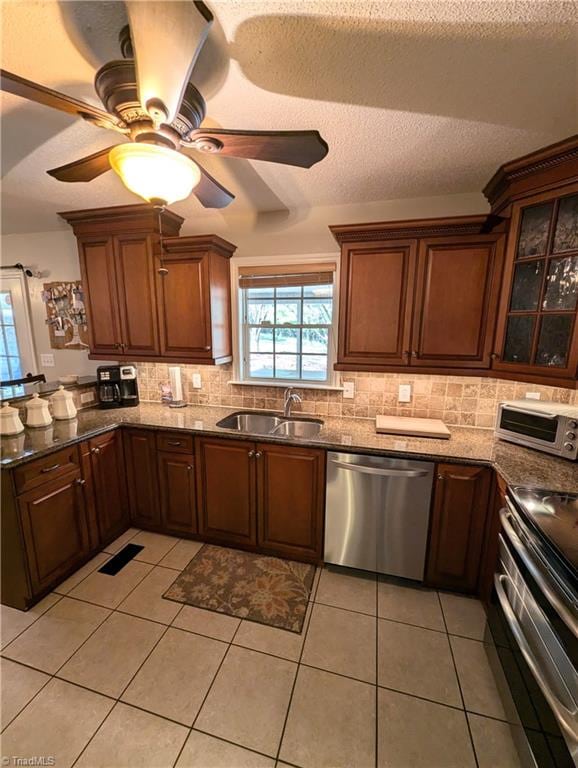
x: 22, y: 320
x: 241, y: 330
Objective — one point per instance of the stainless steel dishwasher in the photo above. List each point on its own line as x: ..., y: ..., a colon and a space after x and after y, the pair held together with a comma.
x: 377, y: 513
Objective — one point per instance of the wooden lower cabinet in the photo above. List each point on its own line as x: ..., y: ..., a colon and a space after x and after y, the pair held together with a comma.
x: 457, y: 526
x: 291, y: 492
x: 54, y: 529
x: 261, y: 496
x: 178, y: 504
x: 226, y: 491
x: 141, y: 477
x: 108, y: 474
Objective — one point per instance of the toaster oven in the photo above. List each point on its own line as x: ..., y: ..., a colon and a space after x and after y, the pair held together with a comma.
x: 543, y: 425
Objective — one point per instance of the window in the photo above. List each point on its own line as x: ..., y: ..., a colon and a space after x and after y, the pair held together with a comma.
x: 287, y: 326
x: 16, y: 348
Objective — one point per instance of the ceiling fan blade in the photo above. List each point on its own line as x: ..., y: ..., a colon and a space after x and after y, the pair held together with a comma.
x: 85, y: 169
x: 166, y: 37
x: 301, y: 148
x: 209, y: 192
x: 27, y: 89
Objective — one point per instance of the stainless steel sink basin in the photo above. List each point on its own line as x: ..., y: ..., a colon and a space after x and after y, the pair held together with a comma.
x: 271, y: 424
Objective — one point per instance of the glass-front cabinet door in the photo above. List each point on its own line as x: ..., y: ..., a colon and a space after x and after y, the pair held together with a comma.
x: 537, y: 331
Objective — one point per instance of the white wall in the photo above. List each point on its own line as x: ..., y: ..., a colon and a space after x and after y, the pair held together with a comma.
x: 266, y: 234
x: 55, y: 255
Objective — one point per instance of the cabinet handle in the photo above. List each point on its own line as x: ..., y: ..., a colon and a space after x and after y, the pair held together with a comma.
x: 163, y: 271
x: 251, y: 454
x: 173, y: 442
x: 51, y: 469
x: 80, y: 481
x: 258, y: 455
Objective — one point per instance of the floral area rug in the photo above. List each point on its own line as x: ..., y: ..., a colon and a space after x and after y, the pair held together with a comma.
x: 254, y: 587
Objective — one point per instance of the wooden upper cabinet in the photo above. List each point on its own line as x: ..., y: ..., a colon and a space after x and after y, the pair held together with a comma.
x: 98, y: 272
x: 377, y: 281
x: 428, y: 300
x: 537, y: 327
x: 146, y: 305
x: 457, y: 295
x: 136, y: 294
x: 194, y: 298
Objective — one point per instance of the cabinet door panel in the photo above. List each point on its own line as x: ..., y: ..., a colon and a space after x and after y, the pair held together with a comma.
x: 141, y: 476
x: 177, y: 492
x: 458, y: 522
x: 55, y: 532
x: 137, y: 300
x: 184, y: 306
x: 291, y: 494
x: 376, y: 297
x: 456, y: 300
x: 109, y: 485
x: 226, y: 490
x: 100, y: 293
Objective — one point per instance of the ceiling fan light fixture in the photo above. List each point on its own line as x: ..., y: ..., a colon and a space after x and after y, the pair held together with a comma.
x: 154, y: 172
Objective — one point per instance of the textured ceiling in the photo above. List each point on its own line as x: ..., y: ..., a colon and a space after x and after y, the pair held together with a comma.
x: 414, y: 98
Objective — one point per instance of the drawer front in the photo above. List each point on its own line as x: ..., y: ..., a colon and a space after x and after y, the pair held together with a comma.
x: 41, y: 471
x: 175, y: 441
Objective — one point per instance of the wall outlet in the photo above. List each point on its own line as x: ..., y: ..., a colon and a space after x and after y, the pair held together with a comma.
x: 47, y: 361
x: 404, y: 394
x: 196, y: 380
x: 87, y: 397
x: 532, y: 395
x: 349, y: 390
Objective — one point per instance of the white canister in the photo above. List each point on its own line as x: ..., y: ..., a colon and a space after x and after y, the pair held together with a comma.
x: 10, y: 423
x: 62, y: 403
x: 37, y: 413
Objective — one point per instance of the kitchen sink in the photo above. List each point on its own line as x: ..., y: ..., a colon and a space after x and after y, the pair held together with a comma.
x: 271, y: 424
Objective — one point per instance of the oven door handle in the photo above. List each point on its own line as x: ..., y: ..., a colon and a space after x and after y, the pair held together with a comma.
x: 557, y: 604
x: 566, y: 719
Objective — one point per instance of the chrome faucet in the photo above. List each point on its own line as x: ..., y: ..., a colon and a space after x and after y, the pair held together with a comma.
x: 290, y: 397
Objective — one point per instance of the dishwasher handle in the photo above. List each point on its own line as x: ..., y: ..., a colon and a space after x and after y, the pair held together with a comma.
x: 383, y: 472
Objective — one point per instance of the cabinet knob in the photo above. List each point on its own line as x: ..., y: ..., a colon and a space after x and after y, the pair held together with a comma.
x: 163, y: 271
x: 441, y: 477
x: 406, y: 353
x: 80, y: 481
x: 251, y: 454
x: 95, y: 450
x: 189, y: 467
x: 495, y: 356
x: 258, y: 455
x: 413, y: 353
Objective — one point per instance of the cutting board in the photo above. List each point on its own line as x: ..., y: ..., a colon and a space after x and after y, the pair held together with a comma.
x: 407, y: 425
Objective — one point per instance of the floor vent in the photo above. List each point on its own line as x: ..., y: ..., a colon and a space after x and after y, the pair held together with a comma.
x: 117, y: 563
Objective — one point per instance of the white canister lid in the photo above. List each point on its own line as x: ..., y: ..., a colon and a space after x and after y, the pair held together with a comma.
x: 62, y: 394
x: 36, y: 402
x: 7, y: 409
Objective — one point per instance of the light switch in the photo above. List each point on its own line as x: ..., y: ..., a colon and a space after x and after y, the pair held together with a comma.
x: 196, y: 380
x: 349, y: 390
x: 404, y: 393
x: 86, y: 397
x: 47, y: 361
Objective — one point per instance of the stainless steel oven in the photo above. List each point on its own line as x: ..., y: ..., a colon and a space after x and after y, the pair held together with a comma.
x: 534, y: 623
x: 546, y: 426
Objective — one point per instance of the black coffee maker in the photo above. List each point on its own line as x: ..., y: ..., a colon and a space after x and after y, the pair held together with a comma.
x: 117, y: 386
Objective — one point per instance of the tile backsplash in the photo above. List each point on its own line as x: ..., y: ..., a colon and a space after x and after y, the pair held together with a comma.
x: 466, y: 400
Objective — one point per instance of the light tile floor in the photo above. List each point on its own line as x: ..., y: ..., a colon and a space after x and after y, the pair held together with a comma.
x: 104, y: 672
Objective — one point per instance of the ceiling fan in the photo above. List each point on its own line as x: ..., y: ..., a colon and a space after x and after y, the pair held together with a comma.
x: 150, y: 102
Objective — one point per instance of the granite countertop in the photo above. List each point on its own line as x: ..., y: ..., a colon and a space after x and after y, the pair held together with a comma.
x: 517, y: 465
x: 24, y: 391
